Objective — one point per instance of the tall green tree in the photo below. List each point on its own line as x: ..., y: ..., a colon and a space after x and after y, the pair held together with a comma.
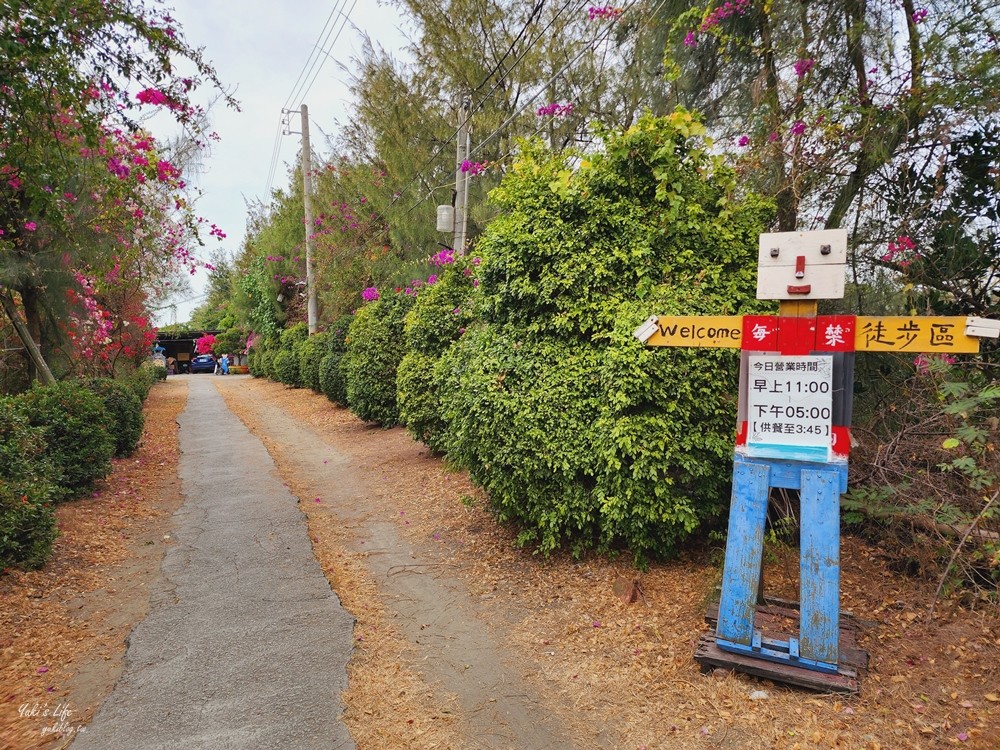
x: 853, y: 114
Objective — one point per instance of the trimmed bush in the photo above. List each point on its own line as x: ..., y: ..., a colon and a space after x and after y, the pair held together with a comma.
x: 374, y: 350
x: 419, y: 403
x: 27, y: 518
x: 294, y: 335
x: 76, y: 428
x: 332, y: 382
x: 310, y: 353
x: 439, y: 316
x: 124, y: 410
x: 337, y: 333
x: 580, y: 433
x: 286, y: 368
x: 265, y: 364
x: 141, y: 379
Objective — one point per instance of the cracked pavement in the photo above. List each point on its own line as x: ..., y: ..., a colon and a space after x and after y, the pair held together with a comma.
x: 245, y: 644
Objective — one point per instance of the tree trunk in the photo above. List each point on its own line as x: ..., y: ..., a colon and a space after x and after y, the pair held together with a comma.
x: 41, y: 368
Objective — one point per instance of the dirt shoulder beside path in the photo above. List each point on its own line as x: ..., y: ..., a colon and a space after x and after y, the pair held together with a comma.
x: 608, y: 674
x: 63, y: 628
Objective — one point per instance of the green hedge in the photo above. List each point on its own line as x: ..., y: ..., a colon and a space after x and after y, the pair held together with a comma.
x: 310, y: 353
x: 374, y: 350
x: 77, y: 431
x: 124, y: 408
x: 580, y: 433
x: 286, y: 368
x: 440, y: 315
x: 332, y: 381
x: 27, y: 490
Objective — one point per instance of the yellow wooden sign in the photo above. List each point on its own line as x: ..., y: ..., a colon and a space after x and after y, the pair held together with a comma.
x: 722, y: 331
x: 914, y: 334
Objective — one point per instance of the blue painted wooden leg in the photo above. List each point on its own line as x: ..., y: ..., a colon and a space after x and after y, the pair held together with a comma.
x: 819, y: 571
x: 744, y: 549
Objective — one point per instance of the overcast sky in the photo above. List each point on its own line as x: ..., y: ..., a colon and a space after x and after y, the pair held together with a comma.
x: 260, y: 47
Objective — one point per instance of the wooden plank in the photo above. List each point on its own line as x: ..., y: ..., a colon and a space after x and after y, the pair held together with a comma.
x: 819, y: 565
x: 709, y: 655
x: 822, y: 273
x: 717, y: 331
x: 773, y: 622
x: 916, y: 333
x: 744, y: 551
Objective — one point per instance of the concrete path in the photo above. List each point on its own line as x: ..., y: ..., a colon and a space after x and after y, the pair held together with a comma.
x: 245, y: 645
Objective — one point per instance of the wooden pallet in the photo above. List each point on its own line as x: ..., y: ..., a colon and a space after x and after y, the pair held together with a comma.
x: 773, y: 620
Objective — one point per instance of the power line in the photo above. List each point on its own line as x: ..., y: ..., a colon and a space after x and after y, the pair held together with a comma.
x: 310, y: 72
x: 310, y: 62
x: 598, y: 38
x: 419, y: 172
x: 326, y: 55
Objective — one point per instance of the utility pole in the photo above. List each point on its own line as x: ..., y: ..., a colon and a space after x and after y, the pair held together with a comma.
x: 307, y: 200
x: 462, y: 177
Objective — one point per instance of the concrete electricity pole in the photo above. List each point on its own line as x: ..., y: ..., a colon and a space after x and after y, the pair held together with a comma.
x: 307, y: 200
x: 462, y: 177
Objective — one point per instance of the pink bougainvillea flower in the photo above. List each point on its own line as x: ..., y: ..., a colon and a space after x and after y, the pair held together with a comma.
x: 803, y: 66
x: 743, y: 141
x: 30, y: 226
x: 152, y: 96
x: 798, y: 127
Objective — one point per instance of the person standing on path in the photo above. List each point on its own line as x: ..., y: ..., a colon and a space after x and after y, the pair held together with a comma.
x: 245, y: 644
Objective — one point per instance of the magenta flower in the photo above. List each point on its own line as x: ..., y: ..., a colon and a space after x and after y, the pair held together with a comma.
x: 30, y: 226
x: 743, y: 141
x: 689, y: 40
x: 370, y: 294
x: 152, y: 96
x: 802, y: 67
x: 798, y: 127
x: 919, y: 16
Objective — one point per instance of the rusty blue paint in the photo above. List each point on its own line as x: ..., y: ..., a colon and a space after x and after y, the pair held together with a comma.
x: 819, y: 566
x: 744, y: 549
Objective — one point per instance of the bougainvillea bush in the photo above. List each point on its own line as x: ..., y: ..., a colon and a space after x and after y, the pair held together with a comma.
x: 578, y: 431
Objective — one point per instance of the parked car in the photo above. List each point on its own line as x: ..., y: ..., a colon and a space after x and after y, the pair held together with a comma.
x: 203, y: 363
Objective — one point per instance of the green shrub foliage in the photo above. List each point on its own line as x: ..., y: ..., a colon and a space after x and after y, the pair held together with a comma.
x: 27, y: 519
x: 310, y: 353
x: 332, y: 377
x: 294, y: 335
x: 332, y: 381
x: 337, y: 333
x: 286, y: 368
x: 265, y: 364
x: 77, y: 431
x: 579, y: 432
x: 440, y: 315
x: 124, y: 409
x: 375, y: 347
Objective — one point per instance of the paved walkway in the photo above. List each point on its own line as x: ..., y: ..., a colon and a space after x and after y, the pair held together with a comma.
x: 245, y: 645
